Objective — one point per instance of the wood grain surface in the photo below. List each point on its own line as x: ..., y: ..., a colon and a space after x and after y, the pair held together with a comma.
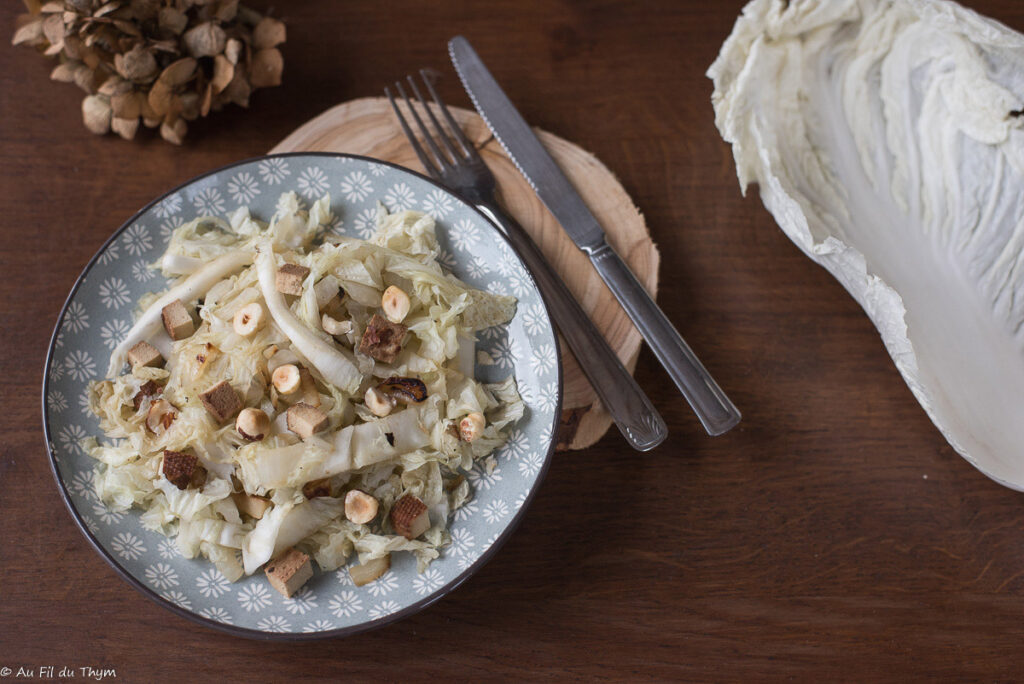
x: 833, y: 536
x: 368, y: 126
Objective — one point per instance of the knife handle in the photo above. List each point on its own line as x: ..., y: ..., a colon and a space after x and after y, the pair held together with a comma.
x: 716, y: 413
x: 629, y: 407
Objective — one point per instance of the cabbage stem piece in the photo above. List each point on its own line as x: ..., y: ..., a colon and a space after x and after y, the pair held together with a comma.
x: 193, y: 287
x: 332, y: 364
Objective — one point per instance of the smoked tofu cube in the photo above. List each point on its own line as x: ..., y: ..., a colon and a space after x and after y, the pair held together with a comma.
x: 180, y: 468
x: 409, y: 517
x: 145, y: 354
x: 289, y: 279
x: 177, y: 320
x: 289, y: 572
x: 221, y: 401
x: 382, y: 339
x: 305, y: 420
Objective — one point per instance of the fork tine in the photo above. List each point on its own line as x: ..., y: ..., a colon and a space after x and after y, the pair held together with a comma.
x: 424, y: 159
x: 467, y: 147
x: 445, y: 138
x: 442, y: 161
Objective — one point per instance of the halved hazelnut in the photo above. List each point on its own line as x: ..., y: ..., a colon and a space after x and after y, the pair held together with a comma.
x: 249, y: 319
x: 471, y: 427
x: 161, y: 415
x: 360, y: 507
x: 395, y: 304
x: 380, y: 404
x: 204, y: 358
x: 287, y: 379
x: 252, y: 424
x: 405, y: 390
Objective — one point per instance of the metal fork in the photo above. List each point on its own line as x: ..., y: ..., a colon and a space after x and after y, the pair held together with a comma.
x: 461, y: 168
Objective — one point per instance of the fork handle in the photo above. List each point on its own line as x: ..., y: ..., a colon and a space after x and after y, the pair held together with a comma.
x: 716, y: 413
x: 629, y: 407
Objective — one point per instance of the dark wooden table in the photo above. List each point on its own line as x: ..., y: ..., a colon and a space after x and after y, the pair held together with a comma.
x: 833, y: 535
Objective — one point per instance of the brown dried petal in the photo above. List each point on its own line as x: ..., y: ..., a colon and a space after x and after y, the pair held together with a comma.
x: 73, y: 47
x: 53, y: 30
x: 65, y: 73
x: 238, y: 90
x: 266, y: 68
x: 51, y: 7
x: 160, y: 98
x: 268, y: 33
x: 115, y: 85
x: 108, y: 8
x: 226, y: 10
x: 190, y: 106
x: 138, y: 64
x: 223, y: 72
x: 233, y: 50
x: 96, y: 114
x: 204, y: 104
x: 30, y: 33
x: 125, y: 128
x: 174, y: 133
x: 205, y: 40
x: 178, y: 72
x: 85, y: 78
x: 126, y: 105
x: 172, y: 20
x: 80, y: 5
x: 144, y: 9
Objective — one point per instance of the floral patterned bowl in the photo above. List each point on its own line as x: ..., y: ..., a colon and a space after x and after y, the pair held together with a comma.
x: 98, y: 312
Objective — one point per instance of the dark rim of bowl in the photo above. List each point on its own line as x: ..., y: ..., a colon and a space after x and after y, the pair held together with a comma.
x: 293, y: 636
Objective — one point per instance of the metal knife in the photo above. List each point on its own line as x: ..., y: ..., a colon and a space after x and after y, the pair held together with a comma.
x: 716, y: 413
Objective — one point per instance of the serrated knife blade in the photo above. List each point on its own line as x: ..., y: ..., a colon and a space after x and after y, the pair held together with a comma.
x: 714, y: 409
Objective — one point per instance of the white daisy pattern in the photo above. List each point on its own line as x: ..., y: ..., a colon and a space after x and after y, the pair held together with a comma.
x: 113, y: 331
x: 497, y: 287
x: 56, y: 402
x: 76, y: 319
x: 301, y: 602
x: 383, y: 609
x: 384, y: 584
x: 535, y: 320
x: 466, y: 511
x: 447, y: 259
x: 70, y: 438
x: 168, y: 206
x: 209, y: 202
x: 273, y: 171
x: 548, y: 397
x: 113, y: 293
x: 169, y: 225
x: 254, y: 597
x: 136, y: 240
x: 318, y: 626
x: 167, y: 549
x: 477, y: 268
x: 483, y: 480
x: 520, y: 500
x: 542, y: 359
x: 216, y: 613
x: 427, y: 582
x: 465, y: 235
x: 162, y: 576
x: 178, y: 598
x: 82, y: 484
x: 504, y: 353
x: 377, y: 169
x: 519, y: 283
x: 365, y: 223
x: 128, y: 546
x: 109, y: 255
x: 80, y: 365
x: 495, y: 511
x: 141, y: 272
x: 438, y: 204
x: 399, y: 197
x: 343, y: 577
x: 312, y: 182
x: 355, y: 187
x: 530, y: 464
x: 345, y: 604
x: 462, y: 541
x: 243, y: 188
x: 212, y: 584
x: 274, y: 623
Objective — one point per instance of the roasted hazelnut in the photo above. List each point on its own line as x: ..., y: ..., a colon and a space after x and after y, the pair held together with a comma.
x: 252, y: 424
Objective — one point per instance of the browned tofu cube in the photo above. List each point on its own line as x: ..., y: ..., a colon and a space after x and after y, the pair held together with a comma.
x: 305, y: 420
x: 254, y: 506
x: 145, y: 354
x: 409, y: 517
x: 221, y: 401
x: 289, y: 279
x: 177, y: 320
x: 148, y: 389
x: 289, y: 571
x: 382, y: 339
x: 315, y: 488
x: 179, y: 468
